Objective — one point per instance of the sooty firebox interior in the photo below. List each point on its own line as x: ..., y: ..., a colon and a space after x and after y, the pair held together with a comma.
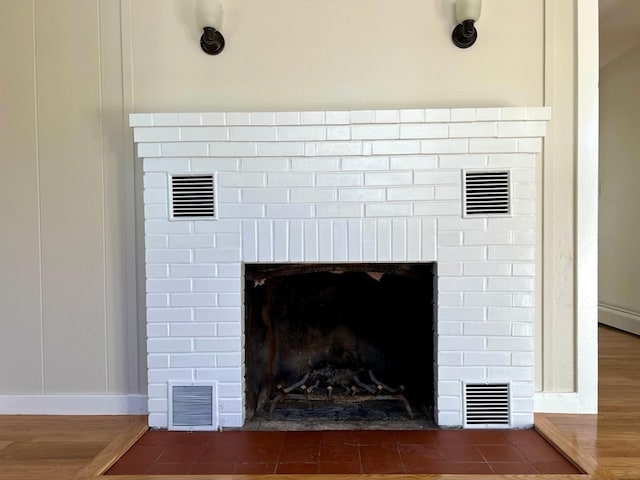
x: 340, y: 342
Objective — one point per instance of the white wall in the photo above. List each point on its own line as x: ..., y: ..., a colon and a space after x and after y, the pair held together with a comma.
x: 334, y: 54
x: 619, y: 197
x: 67, y: 276
x: 68, y: 281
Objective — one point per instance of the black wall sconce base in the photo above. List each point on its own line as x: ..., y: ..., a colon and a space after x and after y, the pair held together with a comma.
x: 212, y: 41
x: 464, y: 34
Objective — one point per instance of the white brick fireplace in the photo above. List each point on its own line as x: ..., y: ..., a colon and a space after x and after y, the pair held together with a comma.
x: 342, y: 187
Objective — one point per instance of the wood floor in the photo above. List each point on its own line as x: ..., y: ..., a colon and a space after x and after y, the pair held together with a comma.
x: 606, y: 445
x: 63, y: 447
x: 611, y: 438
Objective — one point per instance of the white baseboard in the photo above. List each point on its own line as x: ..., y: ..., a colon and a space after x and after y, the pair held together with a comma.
x: 544, y: 402
x: 137, y: 404
x: 73, y: 404
x: 570, y: 402
x: 623, y: 319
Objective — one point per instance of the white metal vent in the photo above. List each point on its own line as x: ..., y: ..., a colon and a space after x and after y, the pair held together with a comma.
x: 487, y: 192
x: 486, y: 404
x: 193, y: 196
x: 192, y: 406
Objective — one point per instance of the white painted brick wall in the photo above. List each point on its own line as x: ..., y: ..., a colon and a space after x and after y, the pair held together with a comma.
x: 341, y: 187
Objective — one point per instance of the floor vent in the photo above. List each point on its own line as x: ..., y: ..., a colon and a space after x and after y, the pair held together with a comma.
x: 486, y: 404
x: 192, y: 406
x: 192, y: 196
x: 487, y: 193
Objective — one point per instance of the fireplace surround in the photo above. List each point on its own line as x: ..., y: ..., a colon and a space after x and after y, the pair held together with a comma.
x: 341, y: 187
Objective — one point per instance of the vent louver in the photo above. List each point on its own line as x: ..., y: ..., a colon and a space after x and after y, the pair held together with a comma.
x: 192, y: 196
x: 191, y: 407
x: 487, y: 404
x: 487, y: 193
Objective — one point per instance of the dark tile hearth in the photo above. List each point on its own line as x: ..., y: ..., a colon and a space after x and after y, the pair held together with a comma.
x: 343, y: 452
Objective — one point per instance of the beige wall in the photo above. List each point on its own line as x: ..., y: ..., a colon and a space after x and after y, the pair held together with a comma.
x: 306, y: 54
x: 68, y: 283
x: 67, y: 291
x: 619, y: 263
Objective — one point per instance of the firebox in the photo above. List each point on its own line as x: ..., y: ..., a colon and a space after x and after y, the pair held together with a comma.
x: 339, y: 342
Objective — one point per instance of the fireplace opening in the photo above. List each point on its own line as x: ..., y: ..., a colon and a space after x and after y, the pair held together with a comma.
x: 340, y: 345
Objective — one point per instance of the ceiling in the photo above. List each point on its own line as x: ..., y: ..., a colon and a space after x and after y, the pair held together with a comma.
x: 619, y: 28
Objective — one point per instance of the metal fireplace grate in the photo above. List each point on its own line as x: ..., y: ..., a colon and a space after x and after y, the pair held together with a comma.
x: 487, y: 193
x: 486, y: 404
x: 192, y: 196
x: 191, y: 406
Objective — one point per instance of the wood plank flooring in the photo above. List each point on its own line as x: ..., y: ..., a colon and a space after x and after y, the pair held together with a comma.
x: 606, y: 445
x: 611, y: 438
x: 61, y: 447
